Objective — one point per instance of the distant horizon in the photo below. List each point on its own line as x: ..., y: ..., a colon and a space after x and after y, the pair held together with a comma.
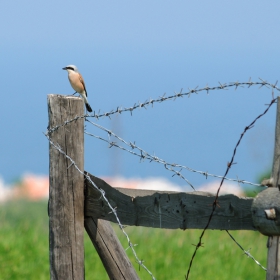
x: 33, y: 187
x: 184, y: 186
x: 130, y: 52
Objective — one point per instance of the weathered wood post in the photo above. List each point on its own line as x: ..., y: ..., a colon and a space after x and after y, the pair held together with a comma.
x: 266, y: 209
x: 273, y: 256
x: 66, y: 197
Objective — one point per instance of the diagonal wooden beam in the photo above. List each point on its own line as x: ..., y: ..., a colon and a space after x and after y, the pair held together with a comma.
x: 110, y: 250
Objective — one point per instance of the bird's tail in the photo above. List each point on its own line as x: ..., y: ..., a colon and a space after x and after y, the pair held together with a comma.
x: 88, y: 107
x: 84, y: 96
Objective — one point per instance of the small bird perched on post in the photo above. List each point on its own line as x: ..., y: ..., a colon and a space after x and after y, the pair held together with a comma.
x: 77, y: 82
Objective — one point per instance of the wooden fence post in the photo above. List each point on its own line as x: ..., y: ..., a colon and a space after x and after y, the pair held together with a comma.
x: 273, y: 256
x: 66, y: 197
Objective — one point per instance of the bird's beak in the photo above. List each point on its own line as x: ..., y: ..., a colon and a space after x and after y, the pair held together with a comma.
x: 65, y: 68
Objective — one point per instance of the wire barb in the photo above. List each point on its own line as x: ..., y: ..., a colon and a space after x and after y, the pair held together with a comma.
x: 176, y: 169
x: 161, y: 99
x: 247, y: 253
x: 142, y: 154
x: 102, y: 192
x: 222, y: 181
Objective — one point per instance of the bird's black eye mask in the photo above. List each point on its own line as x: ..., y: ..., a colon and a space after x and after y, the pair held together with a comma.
x: 68, y: 68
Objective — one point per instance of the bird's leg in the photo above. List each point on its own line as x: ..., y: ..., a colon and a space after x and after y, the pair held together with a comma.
x: 74, y: 93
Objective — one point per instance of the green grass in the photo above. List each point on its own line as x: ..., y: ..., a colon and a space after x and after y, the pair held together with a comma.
x: 167, y: 253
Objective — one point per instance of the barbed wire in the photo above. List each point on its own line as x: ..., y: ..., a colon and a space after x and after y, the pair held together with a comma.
x: 102, y: 192
x: 247, y: 253
x: 215, y: 203
x: 130, y: 244
x: 196, y: 90
x: 153, y: 158
x: 163, y: 98
x: 142, y: 154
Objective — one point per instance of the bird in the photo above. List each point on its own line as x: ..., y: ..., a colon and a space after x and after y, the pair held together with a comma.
x: 77, y: 82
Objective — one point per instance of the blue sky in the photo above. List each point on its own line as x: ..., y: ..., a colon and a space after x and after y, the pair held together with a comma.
x: 131, y: 51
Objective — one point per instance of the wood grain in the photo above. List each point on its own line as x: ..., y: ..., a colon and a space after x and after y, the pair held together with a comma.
x: 66, y: 197
x: 167, y: 209
x: 273, y: 254
x: 109, y: 249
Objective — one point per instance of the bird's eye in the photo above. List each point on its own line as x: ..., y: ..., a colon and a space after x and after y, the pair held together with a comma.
x: 70, y: 68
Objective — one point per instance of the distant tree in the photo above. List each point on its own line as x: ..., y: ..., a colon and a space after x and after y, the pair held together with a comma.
x: 264, y: 175
x: 253, y: 191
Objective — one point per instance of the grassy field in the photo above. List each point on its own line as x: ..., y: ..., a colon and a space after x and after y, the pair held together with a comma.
x: 167, y: 253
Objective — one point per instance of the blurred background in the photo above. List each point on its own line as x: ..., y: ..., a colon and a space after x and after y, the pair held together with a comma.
x: 129, y: 52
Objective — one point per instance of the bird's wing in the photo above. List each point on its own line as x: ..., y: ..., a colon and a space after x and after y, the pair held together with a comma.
x: 83, y: 83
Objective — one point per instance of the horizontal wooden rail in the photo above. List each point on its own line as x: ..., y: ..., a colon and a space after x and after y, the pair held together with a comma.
x: 167, y: 209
